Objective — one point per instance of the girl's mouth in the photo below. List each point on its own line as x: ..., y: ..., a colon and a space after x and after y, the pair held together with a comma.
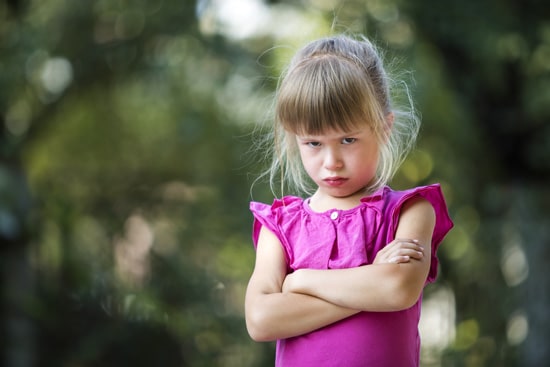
x: 335, y: 181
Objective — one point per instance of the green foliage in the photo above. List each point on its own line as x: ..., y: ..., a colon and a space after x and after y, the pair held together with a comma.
x: 126, y: 167
x: 133, y: 169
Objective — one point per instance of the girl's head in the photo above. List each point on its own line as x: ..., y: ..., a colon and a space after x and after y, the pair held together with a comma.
x: 338, y: 84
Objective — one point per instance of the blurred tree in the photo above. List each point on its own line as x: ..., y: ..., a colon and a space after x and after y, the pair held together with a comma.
x: 110, y: 256
x: 491, y: 54
x: 124, y: 142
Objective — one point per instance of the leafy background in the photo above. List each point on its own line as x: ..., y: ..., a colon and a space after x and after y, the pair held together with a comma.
x: 126, y: 169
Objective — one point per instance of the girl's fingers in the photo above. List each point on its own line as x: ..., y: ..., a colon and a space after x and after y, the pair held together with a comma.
x: 401, y: 243
x: 403, y: 257
x: 404, y: 251
x: 400, y: 251
x: 399, y: 259
x: 404, y: 246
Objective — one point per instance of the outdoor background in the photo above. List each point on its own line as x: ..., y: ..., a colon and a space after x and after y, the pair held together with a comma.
x: 126, y: 169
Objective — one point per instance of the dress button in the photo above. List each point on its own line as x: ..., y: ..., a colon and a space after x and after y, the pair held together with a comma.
x: 334, y: 215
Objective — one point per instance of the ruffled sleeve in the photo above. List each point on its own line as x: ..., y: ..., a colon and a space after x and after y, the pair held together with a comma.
x: 273, y: 217
x: 443, y: 222
x: 263, y: 216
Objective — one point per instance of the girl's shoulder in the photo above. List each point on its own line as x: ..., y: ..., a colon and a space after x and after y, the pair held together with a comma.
x: 393, y: 201
x: 389, y: 202
x: 279, y: 208
x: 281, y: 212
x: 387, y: 196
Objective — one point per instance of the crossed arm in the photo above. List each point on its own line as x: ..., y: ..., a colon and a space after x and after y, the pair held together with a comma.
x: 280, y: 305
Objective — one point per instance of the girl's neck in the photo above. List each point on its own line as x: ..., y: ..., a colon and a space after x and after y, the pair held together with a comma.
x: 321, y: 202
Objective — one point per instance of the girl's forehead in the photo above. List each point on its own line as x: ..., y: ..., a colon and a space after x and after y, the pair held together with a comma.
x: 318, y: 127
x: 334, y: 133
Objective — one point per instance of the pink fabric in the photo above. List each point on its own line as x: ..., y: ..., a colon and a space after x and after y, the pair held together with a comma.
x: 350, y: 238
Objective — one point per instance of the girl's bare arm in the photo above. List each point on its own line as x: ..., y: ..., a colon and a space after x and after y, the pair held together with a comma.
x: 271, y: 314
x: 382, y: 286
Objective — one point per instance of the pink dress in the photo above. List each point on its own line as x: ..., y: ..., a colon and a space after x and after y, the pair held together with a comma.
x: 343, y: 239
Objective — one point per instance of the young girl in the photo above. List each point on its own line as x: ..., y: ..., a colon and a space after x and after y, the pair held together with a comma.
x: 339, y: 276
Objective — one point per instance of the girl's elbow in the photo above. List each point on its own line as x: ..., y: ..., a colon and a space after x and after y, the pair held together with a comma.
x: 258, y: 334
x: 401, y: 295
x: 407, y: 288
x: 394, y: 303
x: 407, y: 300
x: 258, y: 330
x: 259, y: 337
x: 405, y: 297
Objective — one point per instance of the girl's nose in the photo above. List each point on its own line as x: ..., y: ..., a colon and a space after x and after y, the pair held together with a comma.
x: 333, y: 160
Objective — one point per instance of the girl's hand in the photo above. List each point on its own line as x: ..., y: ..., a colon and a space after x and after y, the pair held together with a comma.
x: 289, y: 282
x: 399, y: 251
x: 396, y: 252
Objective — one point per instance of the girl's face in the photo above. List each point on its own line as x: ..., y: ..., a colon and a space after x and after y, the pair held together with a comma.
x: 341, y: 163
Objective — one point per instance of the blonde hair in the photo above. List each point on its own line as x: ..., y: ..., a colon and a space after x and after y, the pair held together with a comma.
x: 338, y: 83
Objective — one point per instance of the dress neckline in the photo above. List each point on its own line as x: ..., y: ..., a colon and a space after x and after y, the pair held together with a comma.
x: 364, y: 201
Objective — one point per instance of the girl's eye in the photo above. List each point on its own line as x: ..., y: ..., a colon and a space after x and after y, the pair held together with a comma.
x: 313, y: 144
x: 348, y: 140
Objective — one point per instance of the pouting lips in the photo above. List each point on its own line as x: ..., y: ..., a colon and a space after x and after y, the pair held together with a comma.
x: 335, y: 181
